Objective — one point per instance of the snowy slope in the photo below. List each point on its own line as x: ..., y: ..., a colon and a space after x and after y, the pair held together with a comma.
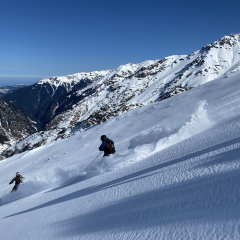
x: 175, y: 175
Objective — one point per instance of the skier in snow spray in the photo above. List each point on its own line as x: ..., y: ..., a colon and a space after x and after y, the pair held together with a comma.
x: 18, y: 179
x: 107, y: 146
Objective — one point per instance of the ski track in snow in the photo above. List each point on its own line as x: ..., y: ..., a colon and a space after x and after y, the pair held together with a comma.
x: 176, y: 175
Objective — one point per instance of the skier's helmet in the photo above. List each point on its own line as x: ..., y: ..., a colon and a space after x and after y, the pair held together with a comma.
x: 17, y: 174
x: 103, y: 137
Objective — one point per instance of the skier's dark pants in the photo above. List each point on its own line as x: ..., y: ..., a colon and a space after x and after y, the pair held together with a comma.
x: 15, y: 188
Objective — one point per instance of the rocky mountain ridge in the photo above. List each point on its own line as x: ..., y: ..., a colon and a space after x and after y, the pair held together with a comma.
x: 132, y: 86
x: 15, y: 124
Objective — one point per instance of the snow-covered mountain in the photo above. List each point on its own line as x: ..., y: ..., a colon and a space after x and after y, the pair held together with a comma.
x: 15, y: 124
x: 9, y: 89
x: 40, y: 94
x: 175, y: 175
x: 131, y: 86
x: 134, y: 85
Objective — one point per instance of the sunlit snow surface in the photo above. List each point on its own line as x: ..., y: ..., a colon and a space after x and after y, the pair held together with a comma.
x: 176, y: 175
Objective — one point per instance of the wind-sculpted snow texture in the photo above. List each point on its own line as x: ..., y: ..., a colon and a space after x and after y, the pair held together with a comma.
x: 110, y: 93
x: 175, y: 175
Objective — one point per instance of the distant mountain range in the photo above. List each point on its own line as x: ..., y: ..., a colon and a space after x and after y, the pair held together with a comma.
x: 9, y: 89
x: 67, y: 105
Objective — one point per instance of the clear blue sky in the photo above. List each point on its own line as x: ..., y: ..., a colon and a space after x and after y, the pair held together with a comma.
x: 44, y: 38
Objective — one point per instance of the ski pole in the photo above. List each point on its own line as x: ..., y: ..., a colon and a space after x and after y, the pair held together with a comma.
x: 93, y: 161
x: 3, y: 195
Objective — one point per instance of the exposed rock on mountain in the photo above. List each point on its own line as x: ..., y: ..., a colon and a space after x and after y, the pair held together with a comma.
x: 42, y: 93
x: 15, y: 124
x: 58, y: 106
x: 9, y: 89
x: 132, y: 86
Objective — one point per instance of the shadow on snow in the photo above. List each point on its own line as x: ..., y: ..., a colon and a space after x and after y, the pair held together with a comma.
x: 215, y: 197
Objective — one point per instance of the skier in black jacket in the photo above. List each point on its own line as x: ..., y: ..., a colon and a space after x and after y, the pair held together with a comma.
x: 107, y: 146
x: 18, y: 179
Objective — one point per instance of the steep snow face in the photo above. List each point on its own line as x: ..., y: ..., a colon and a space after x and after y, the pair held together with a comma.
x: 175, y: 175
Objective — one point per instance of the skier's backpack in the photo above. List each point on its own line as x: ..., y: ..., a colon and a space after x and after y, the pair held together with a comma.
x: 110, y: 147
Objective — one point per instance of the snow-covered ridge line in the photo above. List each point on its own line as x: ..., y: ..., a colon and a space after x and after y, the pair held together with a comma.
x: 159, y: 79
x: 72, y: 79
